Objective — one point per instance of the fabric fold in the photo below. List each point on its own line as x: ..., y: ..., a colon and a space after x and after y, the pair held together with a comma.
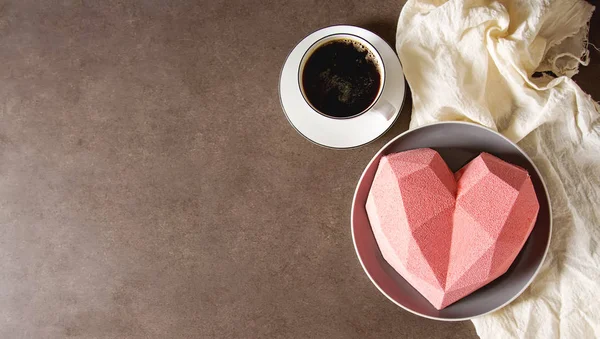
x: 508, y: 65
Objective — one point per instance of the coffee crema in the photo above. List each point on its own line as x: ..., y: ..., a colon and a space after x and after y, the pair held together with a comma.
x: 341, y: 78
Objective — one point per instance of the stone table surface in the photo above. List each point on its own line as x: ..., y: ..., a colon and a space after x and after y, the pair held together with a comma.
x: 150, y: 186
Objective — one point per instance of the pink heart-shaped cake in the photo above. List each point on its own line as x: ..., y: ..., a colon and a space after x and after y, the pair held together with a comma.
x: 450, y: 234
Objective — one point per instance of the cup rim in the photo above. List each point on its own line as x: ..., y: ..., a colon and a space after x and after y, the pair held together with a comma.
x: 314, y: 46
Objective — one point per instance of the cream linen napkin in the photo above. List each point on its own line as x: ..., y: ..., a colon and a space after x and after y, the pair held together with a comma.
x: 475, y: 61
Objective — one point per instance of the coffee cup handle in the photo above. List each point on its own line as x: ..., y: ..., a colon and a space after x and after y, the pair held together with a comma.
x: 384, y: 109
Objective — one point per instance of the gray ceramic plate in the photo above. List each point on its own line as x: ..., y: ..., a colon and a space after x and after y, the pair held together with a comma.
x: 457, y: 143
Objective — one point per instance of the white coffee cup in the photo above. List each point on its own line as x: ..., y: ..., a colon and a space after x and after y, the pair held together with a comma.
x: 355, y: 130
x: 378, y: 106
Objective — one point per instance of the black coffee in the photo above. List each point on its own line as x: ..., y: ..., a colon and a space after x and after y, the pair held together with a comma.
x: 341, y: 78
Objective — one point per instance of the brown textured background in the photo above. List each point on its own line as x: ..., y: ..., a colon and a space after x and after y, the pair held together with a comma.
x: 150, y: 186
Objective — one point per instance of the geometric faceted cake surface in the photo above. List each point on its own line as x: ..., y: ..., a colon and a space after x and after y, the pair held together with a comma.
x: 448, y: 234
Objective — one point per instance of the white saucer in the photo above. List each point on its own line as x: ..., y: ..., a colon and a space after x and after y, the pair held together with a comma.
x: 340, y: 133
